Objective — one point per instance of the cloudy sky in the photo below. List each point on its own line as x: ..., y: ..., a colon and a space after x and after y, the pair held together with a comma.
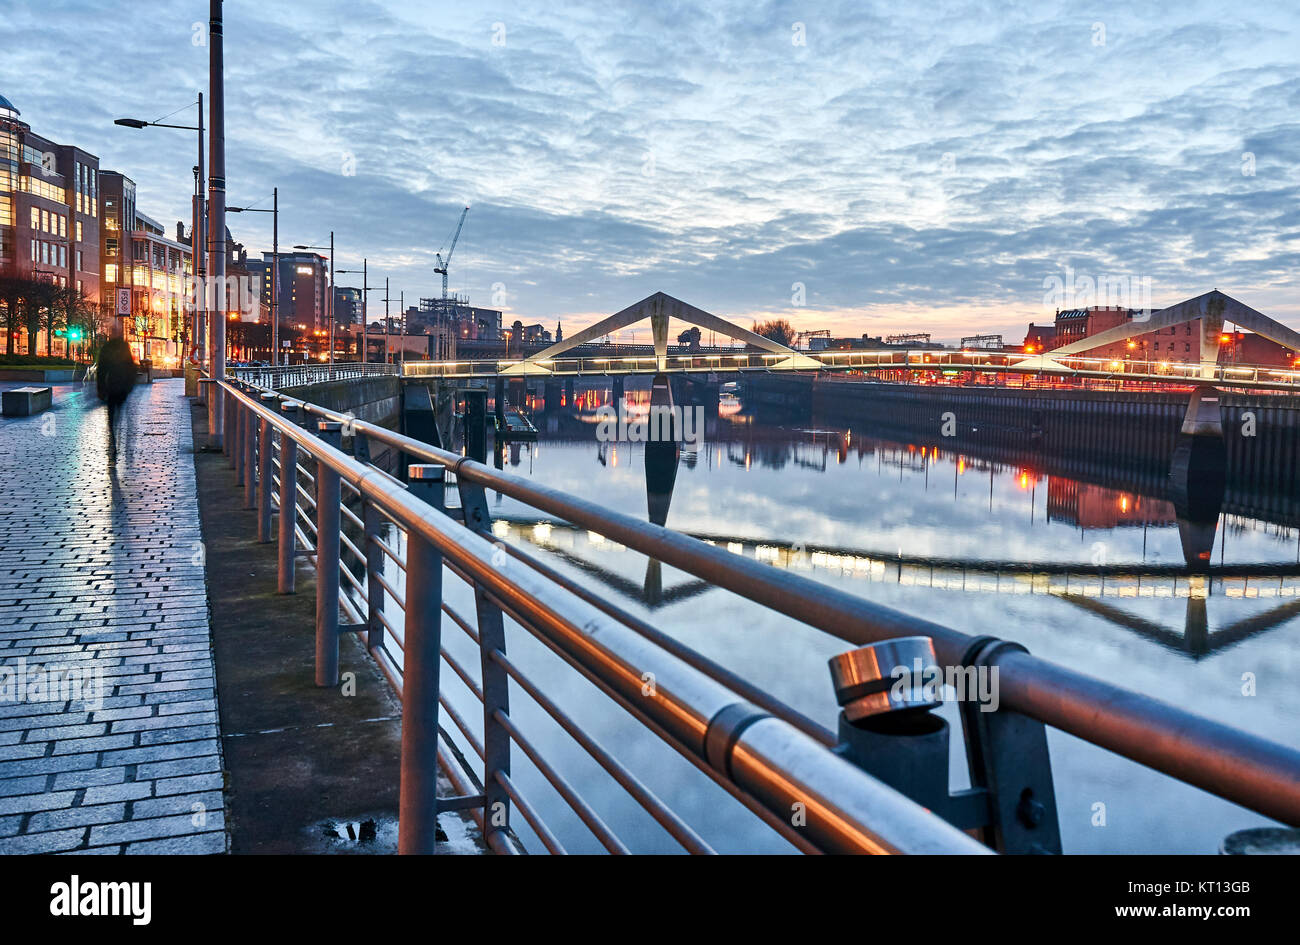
x: 853, y: 166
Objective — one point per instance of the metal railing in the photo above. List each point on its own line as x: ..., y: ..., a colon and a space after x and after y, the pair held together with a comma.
x: 768, y: 757
x: 300, y: 375
x: 765, y: 754
x: 1262, y: 377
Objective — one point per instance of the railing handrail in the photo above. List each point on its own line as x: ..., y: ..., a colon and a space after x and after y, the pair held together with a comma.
x: 1238, y: 766
x: 847, y: 810
x: 274, y: 377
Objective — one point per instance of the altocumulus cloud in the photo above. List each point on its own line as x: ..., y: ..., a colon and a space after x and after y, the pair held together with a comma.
x: 921, y: 167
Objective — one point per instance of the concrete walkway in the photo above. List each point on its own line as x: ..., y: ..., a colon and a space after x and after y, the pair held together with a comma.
x: 108, y: 713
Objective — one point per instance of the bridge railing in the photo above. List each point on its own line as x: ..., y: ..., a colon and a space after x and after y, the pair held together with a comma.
x: 357, y: 524
x: 300, y: 375
x: 768, y: 766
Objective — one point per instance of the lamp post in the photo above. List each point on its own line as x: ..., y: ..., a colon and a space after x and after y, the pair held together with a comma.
x: 198, y: 224
x: 331, y: 295
x: 275, y: 268
x: 365, y: 289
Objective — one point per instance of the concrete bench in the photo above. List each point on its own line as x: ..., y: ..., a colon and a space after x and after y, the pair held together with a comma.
x: 25, y: 401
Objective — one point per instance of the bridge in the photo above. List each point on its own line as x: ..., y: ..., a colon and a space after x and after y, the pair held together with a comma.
x: 1068, y: 362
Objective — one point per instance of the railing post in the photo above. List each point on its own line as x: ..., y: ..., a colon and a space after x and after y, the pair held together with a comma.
x: 417, y: 818
x: 265, y: 473
x: 249, y: 442
x: 236, y: 438
x: 288, y: 505
x: 227, y: 415
x: 214, y: 401
x: 327, y: 563
x: 496, y: 682
x: 373, y: 522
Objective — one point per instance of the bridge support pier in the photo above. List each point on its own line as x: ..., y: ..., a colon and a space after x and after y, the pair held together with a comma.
x: 499, y: 399
x: 419, y: 420
x: 616, y: 391
x: 476, y: 423
x: 1198, y: 476
x: 710, y: 399
x: 568, y: 392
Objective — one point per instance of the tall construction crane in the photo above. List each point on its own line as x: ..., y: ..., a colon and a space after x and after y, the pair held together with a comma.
x: 443, y: 263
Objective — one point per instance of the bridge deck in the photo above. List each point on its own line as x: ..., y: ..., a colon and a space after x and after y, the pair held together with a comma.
x: 102, y: 570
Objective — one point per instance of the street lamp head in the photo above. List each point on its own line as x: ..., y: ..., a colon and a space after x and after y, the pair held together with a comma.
x: 131, y: 123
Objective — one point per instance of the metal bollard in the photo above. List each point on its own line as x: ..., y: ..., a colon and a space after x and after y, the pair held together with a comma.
x: 327, y: 564
x: 288, y: 506
x: 265, y: 474
x: 417, y: 817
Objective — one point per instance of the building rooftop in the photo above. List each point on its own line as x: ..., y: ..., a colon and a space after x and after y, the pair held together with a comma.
x: 5, y: 104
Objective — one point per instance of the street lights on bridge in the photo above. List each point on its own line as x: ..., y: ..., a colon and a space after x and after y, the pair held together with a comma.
x: 365, y: 289
x: 331, y: 298
x: 275, y: 267
x: 198, y: 227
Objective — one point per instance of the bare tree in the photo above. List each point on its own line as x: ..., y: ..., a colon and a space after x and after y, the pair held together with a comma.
x: 778, y: 330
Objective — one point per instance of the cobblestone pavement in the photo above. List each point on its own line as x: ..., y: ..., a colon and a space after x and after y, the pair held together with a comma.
x: 108, y: 713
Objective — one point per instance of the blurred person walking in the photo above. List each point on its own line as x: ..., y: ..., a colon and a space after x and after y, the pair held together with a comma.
x: 114, y: 380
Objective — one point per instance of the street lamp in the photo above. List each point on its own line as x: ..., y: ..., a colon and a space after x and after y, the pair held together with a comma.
x: 275, y: 268
x: 198, y: 235
x: 331, y: 299
x: 365, y: 289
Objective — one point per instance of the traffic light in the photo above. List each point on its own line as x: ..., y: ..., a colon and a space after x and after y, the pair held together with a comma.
x: 74, y: 334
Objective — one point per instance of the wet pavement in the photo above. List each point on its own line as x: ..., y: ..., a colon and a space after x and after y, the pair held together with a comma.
x: 108, y: 712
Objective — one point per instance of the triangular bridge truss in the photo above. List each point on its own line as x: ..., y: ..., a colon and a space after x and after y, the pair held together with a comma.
x: 659, y: 308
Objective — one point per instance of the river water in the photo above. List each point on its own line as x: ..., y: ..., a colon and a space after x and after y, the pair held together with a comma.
x: 984, y: 547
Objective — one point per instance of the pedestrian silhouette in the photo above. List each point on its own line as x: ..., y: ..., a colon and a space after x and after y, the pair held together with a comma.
x: 114, y: 381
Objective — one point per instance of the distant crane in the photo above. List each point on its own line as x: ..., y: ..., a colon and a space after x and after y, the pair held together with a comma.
x: 444, y: 263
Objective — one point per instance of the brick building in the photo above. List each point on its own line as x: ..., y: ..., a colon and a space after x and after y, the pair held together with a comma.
x: 49, y: 212
x: 1180, y: 343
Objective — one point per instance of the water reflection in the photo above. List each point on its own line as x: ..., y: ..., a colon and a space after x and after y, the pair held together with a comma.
x: 1113, y: 569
